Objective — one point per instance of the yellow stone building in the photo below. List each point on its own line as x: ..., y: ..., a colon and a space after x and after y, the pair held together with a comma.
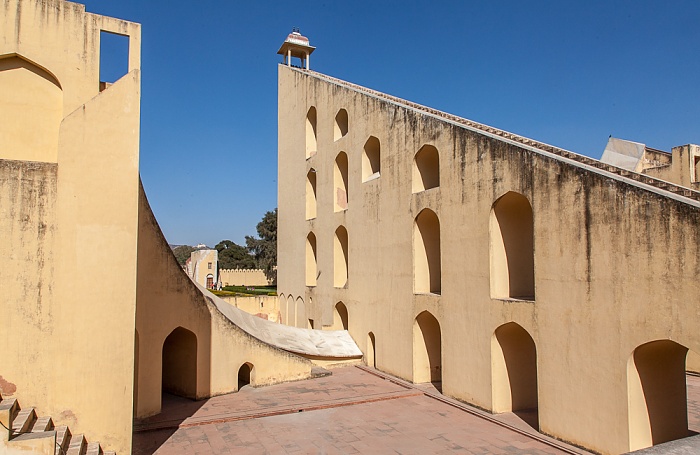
x: 93, y: 353
x: 516, y: 275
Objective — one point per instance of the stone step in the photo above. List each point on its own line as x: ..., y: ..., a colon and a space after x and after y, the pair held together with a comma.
x: 77, y: 445
x: 24, y: 420
x: 94, y: 448
x: 9, y: 403
x: 63, y: 437
x: 43, y: 424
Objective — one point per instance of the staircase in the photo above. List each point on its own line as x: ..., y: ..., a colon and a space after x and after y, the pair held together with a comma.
x: 22, y: 432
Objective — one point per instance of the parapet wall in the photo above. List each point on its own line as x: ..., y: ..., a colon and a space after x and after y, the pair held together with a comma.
x: 244, y: 277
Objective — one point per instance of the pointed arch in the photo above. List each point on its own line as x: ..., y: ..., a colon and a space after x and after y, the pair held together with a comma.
x: 340, y: 316
x: 512, y: 258
x: 656, y: 393
x: 180, y: 363
x: 427, y: 275
x: 340, y: 257
x: 514, y: 372
x: 427, y: 349
x: 311, y: 194
x: 426, y: 169
x: 340, y: 182
x: 371, y: 356
x: 340, y: 128
x: 311, y: 265
x: 371, y: 162
x: 311, y: 137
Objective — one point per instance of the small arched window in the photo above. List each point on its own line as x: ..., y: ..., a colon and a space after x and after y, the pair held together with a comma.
x: 311, y: 259
x: 311, y: 194
x: 370, y: 159
x: 340, y: 257
x: 311, y: 132
x: 341, y: 124
x: 340, y: 182
x: 426, y: 169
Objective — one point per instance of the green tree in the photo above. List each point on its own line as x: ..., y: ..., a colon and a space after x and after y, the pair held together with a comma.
x: 264, y: 248
x: 234, y: 256
x: 182, y: 253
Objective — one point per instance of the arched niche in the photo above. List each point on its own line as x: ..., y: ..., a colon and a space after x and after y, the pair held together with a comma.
x: 371, y: 356
x: 426, y: 169
x: 311, y: 267
x: 340, y: 316
x: 657, y: 394
x: 371, y: 155
x: 311, y: 136
x: 31, y: 109
x: 512, y: 257
x: 340, y: 127
x: 427, y: 275
x: 514, y: 372
x: 427, y: 349
x: 311, y: 194
x: 340, y: 257
x: 340, y: 183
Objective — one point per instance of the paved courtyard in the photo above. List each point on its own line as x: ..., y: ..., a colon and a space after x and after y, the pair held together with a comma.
x: 354, y: 411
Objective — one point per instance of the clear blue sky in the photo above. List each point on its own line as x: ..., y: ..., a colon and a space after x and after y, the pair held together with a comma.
x: 565, y: 72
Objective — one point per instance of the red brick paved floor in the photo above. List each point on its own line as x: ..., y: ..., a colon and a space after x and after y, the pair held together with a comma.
x: 350, y: 412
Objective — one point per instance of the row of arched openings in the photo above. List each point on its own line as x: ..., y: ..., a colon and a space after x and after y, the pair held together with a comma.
x: 370, y: 171
x: 511, y: 252
x: 179, y: 365
x: 426, y: 174
x: 512, y: 261
x: 656, y: 379
x: 340, y: 129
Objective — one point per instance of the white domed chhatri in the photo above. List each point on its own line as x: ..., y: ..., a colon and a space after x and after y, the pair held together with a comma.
x: 296, y: 45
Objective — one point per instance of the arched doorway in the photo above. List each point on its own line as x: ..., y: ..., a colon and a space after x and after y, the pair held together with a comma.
x: 245, y: 373
x: 514, y: 373
x: 371, y: 357
x: 427, y: 350
x: 657, y: 393
x: 180, y: 363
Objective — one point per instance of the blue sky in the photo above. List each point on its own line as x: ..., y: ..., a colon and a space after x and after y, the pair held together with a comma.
x: 569, y: 73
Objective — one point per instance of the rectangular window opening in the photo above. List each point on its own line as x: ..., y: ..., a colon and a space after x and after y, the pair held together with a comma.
x: 114, y: 58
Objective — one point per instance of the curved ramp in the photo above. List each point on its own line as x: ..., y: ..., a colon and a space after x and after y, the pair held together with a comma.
x: 307, y: 342
x: 180, y: 296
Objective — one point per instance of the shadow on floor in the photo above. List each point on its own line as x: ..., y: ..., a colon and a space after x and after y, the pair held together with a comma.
x: 530, y: 417
x: 174, y: 410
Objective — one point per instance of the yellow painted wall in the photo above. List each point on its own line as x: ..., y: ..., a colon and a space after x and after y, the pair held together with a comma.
x: 71, y: 210
x: 166, y: 300
x: 615, y: 264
